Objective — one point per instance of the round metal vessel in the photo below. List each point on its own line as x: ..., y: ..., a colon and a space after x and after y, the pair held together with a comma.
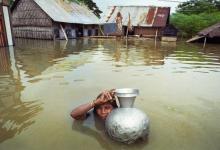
x: 127, y: 125
x: 126, y: 97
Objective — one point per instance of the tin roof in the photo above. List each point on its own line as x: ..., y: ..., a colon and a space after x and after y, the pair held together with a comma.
x: 146, y: 16
x: 65, y: 11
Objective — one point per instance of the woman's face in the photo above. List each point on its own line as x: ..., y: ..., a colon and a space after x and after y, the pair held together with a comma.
x: 103, y: 110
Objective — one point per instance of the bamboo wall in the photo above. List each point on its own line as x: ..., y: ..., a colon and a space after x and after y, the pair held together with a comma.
x: 33, y: 32
x: 28, y: 13
x: 30, y: 21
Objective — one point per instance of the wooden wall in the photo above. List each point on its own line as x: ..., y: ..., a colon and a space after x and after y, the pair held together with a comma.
x: 147, y: 31
x: 4, y: 61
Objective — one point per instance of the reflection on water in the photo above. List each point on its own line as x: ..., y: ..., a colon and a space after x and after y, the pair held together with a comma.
x: 35, y: 57
x: 136, y: 52
x: 15, y: 115
x: 94, y: 127
x: 16, y: 118
x: 194, y: 57
x: 41, y: 82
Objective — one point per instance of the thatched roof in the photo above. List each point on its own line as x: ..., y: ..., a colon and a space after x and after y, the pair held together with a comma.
x: 212, y: 31
x: 145, y: 16
x: 64, y: 11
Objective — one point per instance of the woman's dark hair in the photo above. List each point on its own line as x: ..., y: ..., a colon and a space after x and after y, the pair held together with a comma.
x: 112, y: 102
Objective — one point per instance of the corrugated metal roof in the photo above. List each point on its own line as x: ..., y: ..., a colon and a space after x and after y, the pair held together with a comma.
x: 148, y: 16
x: 68, y: 12
x: 161, y: 17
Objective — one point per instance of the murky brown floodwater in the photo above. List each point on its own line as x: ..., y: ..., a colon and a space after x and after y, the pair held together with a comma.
x: 41, y: 81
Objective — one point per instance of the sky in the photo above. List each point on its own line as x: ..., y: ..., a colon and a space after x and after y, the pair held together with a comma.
x: 103, y: 4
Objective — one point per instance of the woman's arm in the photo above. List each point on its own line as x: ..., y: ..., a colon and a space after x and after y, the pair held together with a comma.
x: 80, y: 111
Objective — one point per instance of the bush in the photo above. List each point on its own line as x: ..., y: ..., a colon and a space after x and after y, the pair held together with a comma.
x: 192, y: 24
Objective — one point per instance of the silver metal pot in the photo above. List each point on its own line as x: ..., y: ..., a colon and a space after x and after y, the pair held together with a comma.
x: 127, y: 124
x: 126, y: 97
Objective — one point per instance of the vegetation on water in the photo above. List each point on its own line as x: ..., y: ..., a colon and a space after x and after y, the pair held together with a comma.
x: 195, y: 15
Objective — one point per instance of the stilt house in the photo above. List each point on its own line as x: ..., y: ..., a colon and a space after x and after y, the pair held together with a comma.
x: 5, y: 25
x: 52, y: 19
x: 146, y: 21
x: 210, y: 34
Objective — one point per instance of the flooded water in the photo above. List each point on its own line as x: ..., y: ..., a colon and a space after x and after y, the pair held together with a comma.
x: 42, y: 81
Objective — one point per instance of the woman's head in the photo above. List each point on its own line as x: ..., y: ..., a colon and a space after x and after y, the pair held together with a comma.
x: 103, y: 110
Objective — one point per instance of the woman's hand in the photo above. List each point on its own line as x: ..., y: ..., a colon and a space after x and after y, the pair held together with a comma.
x: 80, y: 111
x: 104, y: 97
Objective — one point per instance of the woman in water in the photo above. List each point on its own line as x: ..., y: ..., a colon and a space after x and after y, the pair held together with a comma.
x: 102, y: 105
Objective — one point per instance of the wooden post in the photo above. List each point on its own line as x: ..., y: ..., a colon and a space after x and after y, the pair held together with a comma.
x: 127, y: 33
x: 10, y: 19
x: 63, y: 32
x: 126, y: 42
x: 101, y: 30
x: 181, y: 36
x: 13, y: 63
x: 204, y: 43
x: 156, y: 37
x: 5, y: 15
x: 128, y: 25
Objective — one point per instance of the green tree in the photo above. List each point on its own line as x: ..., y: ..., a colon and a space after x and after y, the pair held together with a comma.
x: 199, y: 6
x: 195, y: 15
x: 189, y: 25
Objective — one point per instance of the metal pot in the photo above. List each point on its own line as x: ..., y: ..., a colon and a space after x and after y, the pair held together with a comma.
x: 127, y: 124
x: 126, y: 97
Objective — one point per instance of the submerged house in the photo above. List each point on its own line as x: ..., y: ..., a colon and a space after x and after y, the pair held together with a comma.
x: 210, y: 34
x: 6, y: 38
x: 148, y: 21
x: 52, y: 19
x: 169, y: 34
